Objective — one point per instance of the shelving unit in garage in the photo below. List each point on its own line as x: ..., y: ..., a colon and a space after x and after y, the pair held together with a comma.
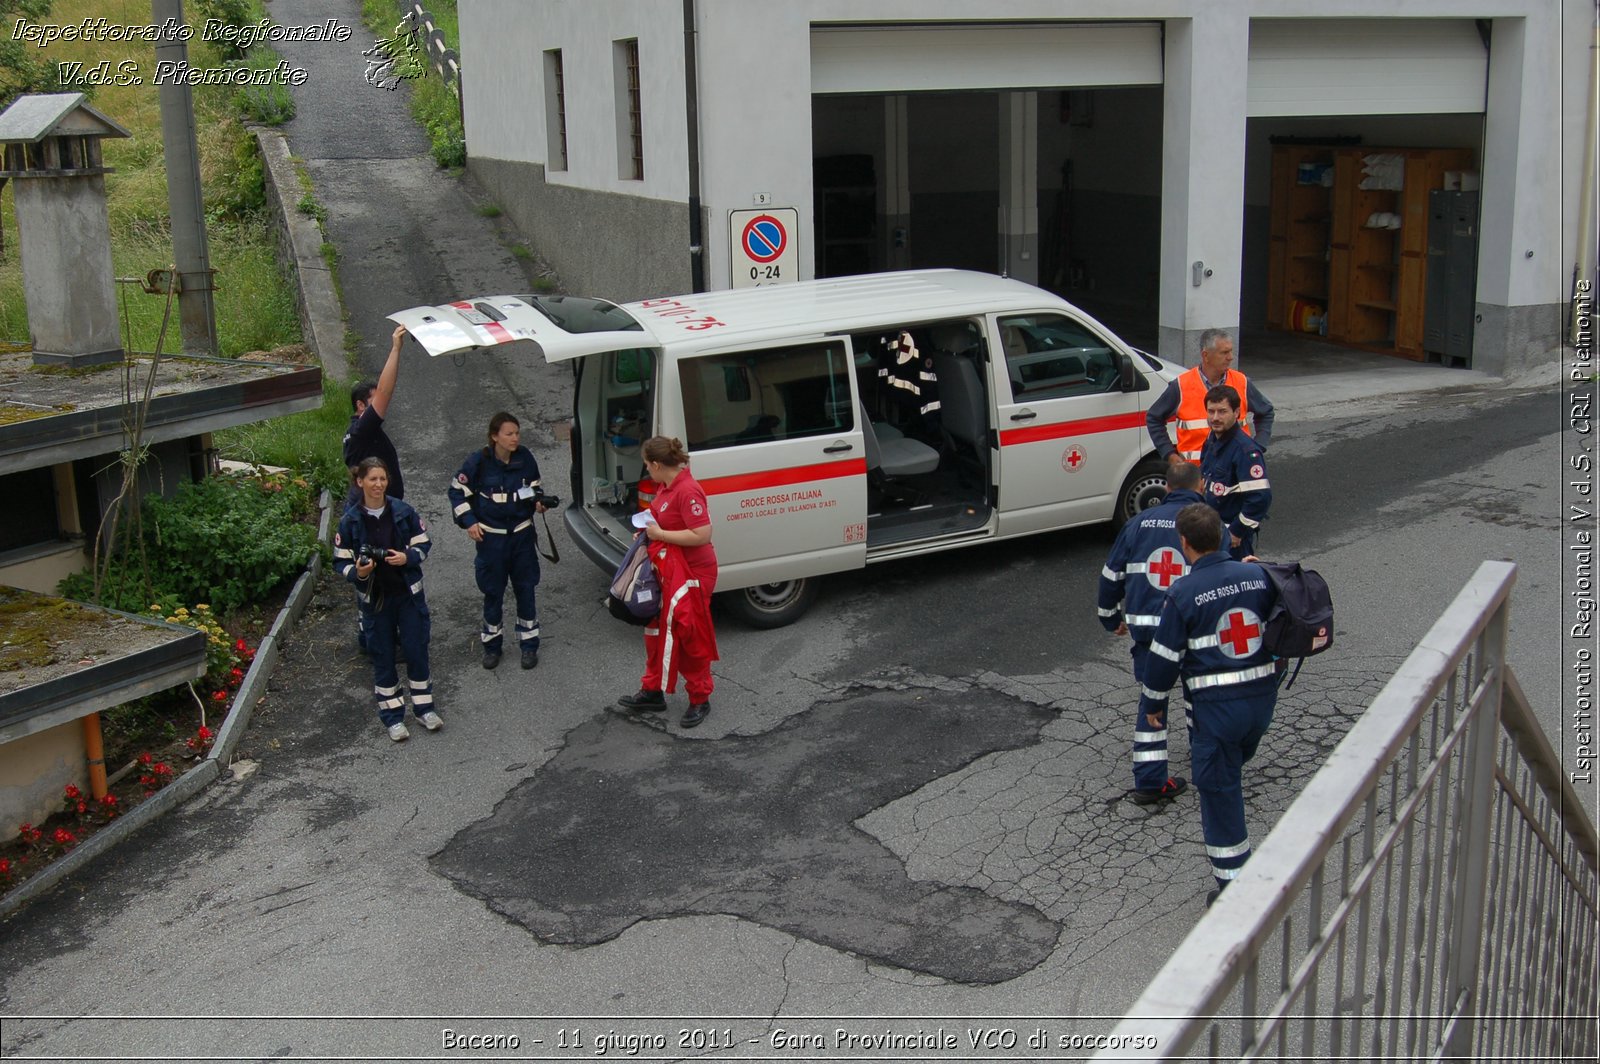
x: 1378, y: 263
x: 1301, y: 221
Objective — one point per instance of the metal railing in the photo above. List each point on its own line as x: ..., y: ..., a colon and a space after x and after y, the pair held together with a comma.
x: 1431, y: 894
x: 440, y: 55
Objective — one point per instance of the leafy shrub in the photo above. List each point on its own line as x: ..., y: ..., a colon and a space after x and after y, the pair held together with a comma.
x: 229, y: 540
x: 225, y: 541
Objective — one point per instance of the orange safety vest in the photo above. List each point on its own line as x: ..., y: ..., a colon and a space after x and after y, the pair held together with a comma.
x: 1192, y: 426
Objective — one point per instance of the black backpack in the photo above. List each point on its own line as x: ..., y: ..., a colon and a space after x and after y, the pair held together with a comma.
x: 1301, y: 621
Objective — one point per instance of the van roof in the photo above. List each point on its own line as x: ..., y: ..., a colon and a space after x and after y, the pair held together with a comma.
x: 838, y: 304
x: 564, y: 327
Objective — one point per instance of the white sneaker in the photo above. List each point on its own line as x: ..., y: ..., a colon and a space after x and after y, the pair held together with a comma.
x: 431, y: 721
x: 399, y: 733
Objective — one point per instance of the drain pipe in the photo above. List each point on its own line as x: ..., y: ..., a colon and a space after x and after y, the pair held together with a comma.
x: 94, y: 749
x: 691, y: 97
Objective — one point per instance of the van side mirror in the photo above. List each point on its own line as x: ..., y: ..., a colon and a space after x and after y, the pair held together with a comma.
x: 1125, y: 369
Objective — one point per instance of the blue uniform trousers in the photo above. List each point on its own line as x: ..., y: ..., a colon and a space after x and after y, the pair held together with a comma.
x: 1246, y: 547
x: 404, y: 617
x: 1149, y: 744
x: 1223, y: 735
x: 516, y: 557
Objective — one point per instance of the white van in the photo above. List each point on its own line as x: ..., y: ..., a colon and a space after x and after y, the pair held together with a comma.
x: 797, y: 406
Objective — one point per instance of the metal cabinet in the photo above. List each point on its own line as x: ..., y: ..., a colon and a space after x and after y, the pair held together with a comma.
x: 1452, y: 276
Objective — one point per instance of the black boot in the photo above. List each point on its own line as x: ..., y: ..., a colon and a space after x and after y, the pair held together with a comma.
x: 644, y: 702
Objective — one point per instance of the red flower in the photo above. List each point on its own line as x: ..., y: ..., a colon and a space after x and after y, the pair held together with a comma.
x: 219, y: 695
x: 30, y: 833
x: 240, y: 646
x: 235, y: 676
x: 63, y: 837
x: 83, y: 807
x: 204, y: 732
x: 145, y: 759
x: 109, y: 801
x: 5, y: 867
x: 162, y: 769
x: 73, y: 793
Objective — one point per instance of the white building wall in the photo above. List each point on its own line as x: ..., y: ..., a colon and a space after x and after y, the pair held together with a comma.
x: 505, y: 106
x: 755, y: 118
x: 755, y: 112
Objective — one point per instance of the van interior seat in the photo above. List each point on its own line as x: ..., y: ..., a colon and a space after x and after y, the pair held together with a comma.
x: 961, y: 403
x: 1013, y: 342
x: 898, y: 456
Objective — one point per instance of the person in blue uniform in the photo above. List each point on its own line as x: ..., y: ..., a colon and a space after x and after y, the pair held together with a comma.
x: 1212, y: 634
x: 1145, y: 561
x: 494, y: 497
x: 366, y: 438
x: 389, y: 592
x: 1234, y: 466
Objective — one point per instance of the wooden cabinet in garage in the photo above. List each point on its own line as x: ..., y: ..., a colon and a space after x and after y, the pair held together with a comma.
x: 1373, y: 249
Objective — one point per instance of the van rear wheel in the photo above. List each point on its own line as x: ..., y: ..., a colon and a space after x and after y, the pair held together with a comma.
x: 1145, y: 487
x: 772, y: 605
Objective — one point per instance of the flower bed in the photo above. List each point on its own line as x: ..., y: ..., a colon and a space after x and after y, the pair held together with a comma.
x: 81, y: 815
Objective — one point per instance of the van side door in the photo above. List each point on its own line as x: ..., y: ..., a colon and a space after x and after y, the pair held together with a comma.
x: 774, y: 438
x: 1068, y: 432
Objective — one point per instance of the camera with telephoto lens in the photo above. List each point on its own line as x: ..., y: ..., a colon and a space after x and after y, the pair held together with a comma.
x: 369, y: 552
x: 534, y: 493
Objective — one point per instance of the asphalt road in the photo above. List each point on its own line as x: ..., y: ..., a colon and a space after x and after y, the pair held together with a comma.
x: 909, y: 803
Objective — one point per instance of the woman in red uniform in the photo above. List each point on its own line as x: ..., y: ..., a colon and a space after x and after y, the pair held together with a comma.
x: 682, y: 522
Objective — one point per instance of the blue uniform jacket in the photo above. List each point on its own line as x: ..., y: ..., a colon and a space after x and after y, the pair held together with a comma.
x: 1144, y: 562
x: 411, y: 535
x: 1235, y: 470
x: 484, y: 491
x: 1211, y: 631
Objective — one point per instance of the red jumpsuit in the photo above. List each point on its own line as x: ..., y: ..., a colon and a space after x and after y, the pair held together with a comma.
x: 682, y: 642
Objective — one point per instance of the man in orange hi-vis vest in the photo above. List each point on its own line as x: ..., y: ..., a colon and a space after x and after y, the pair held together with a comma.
x: 1185, y: 401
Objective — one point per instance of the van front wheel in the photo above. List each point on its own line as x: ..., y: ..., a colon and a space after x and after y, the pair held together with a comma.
x: 1145, y: 487
x: 772, y: 605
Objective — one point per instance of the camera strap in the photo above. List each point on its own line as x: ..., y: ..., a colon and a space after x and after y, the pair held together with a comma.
x: 554, y: 554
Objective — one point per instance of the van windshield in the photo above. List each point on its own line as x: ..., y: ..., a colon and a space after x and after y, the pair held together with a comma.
x: 580, y: 314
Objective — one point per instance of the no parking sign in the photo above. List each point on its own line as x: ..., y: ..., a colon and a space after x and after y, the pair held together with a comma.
x: 764, y: 247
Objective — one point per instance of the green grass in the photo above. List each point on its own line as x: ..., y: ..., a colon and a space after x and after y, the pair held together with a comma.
x: 254, y: 304
x: 489, y: 210
x: 521, y: 251
x: 311, y: 443
x: 309, y: 206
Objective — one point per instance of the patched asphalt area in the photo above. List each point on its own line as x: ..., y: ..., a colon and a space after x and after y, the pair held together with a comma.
x: 631, y: 822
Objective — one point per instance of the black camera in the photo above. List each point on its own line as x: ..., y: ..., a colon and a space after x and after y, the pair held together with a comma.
x: 551, y: 502
x: 369, y: 552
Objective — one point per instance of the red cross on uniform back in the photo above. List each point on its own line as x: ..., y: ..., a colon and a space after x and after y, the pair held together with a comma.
x: 1163, y: 567
x: 1239, y: 633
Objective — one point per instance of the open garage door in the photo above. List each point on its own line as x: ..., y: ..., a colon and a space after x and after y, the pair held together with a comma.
x: 1376, y: 66
x: 891, y: 59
